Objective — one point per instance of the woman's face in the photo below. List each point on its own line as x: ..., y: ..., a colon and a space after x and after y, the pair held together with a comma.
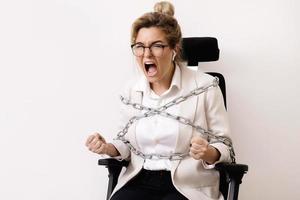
x: 156, y: 63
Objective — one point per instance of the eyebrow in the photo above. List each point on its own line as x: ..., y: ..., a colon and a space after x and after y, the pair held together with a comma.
x: 157, y: 41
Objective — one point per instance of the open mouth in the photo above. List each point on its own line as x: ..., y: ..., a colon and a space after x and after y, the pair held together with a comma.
x: 150, y: 68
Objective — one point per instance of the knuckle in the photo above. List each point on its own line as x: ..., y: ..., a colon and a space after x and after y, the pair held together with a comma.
x: 197, y: 156
x: 92, y: 149
x: 97, y: 145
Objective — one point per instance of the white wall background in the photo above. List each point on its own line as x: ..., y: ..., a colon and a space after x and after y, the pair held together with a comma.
x: 63, y: 61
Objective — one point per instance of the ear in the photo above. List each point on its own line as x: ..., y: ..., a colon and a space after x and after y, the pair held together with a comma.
x: 175, y: 51
x: 177, y: 47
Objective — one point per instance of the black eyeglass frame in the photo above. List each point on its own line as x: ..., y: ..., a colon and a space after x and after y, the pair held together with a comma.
x: 163, y: 46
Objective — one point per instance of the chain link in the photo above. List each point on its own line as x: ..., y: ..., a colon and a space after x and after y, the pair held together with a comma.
x: 212, y: 138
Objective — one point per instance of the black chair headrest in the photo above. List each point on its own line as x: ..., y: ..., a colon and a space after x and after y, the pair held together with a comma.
x: 199, y: 49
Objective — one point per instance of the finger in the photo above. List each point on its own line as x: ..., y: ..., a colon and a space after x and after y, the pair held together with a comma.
x: 199, y: 149
x: 195, y: 151
x: 99, y: 137
x: 94, y: 141
x: 195, y: 156
x: 198, y: 140
x: 102, y: 149
x: 98, y: 144
x: 95, y: 148
x: 96, y: 134
x: 196, y: 146
x: 89, y: 140
x: 92, y: 144
x: 91, y: 147
x: 191, y: 154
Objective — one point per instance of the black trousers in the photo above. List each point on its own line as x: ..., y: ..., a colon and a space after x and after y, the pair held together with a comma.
x: 149, y: 185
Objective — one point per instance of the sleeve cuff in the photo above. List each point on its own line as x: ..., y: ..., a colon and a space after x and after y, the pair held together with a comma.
x: 122, y: 148
x: 208, y: 166
x: 104, y: 156
x: 224, y: 152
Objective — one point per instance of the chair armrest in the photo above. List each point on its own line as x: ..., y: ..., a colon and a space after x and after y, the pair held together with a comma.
x: 232, y: 169
x: 113, y: 162
x: 114, y: 168
x: 230, y: 178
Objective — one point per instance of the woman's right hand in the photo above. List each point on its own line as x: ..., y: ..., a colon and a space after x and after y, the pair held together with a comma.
x: 97, y: 144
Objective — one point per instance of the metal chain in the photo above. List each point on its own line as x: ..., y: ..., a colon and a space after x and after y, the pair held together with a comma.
x: 212, y: 138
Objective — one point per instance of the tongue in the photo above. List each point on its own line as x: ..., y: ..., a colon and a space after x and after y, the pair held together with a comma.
x: 152, y: 71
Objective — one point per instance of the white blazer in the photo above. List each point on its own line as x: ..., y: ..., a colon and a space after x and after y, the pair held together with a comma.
x: 189, y: 176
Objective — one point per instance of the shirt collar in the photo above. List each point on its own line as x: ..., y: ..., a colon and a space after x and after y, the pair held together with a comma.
x: 142, y: 84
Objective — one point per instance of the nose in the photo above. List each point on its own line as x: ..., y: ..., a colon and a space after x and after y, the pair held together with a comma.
x: 147, y: 52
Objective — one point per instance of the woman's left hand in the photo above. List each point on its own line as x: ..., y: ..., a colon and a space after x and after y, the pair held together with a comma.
x: 200, y: 149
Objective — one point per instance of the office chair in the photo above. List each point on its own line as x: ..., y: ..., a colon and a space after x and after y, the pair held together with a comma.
x: 196, y: 49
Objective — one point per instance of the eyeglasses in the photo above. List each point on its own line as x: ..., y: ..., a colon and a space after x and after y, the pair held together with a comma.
x: 156, y: 50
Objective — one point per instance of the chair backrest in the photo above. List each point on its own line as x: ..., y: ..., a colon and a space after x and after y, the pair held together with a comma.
x: 199, y: 49
x: 203, y: 49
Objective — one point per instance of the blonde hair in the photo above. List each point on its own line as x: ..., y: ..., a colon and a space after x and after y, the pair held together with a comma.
x: 165, y: 8
x: 162, y: 18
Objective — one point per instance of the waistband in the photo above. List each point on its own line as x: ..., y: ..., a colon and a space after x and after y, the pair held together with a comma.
x: 156, y: 172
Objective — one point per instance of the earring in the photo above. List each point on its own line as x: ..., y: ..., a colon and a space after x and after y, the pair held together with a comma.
x: 174, y: 55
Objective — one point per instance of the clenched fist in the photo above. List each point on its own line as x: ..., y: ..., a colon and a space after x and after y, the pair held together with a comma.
x: 200, y: 149
x: 97, y: 144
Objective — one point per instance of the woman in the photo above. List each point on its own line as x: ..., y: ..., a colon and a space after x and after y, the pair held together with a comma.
x: 169, y: 158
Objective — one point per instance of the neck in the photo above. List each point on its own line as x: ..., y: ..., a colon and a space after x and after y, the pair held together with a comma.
x: 163, y: 85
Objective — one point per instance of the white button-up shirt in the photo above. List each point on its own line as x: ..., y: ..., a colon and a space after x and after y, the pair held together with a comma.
x: 157, y: 134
